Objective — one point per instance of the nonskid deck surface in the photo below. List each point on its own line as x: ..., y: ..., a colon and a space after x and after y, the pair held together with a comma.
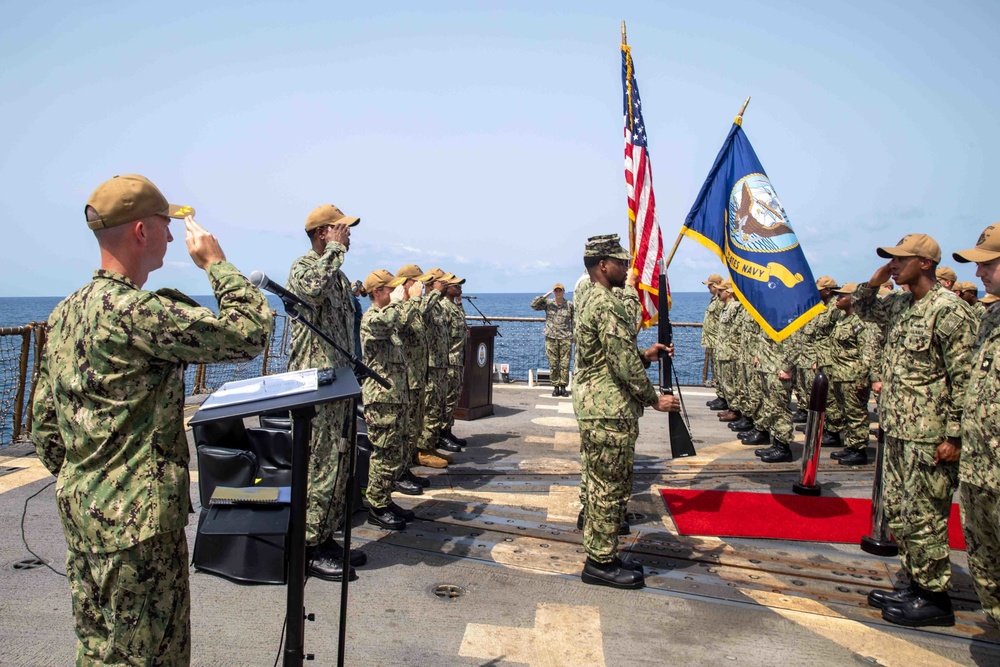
x: 488, y: 574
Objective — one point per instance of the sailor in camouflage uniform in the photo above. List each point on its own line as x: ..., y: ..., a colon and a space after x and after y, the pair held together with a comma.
x: 457, y: 334
x: 774, y: 367
x: 855, y: 362
x: 946, y: 277
x: 385, y: 409
x: 316, y: 278
x: 818, y: 347
x: 558, y: 335
x: 929, y: 338
x: 612, y: 389
x: 108, y: 422
x: 709, y: 339
x: 436, y: 389
x: 415, y: 349
x: 979, y: 469
x: 969, y: 293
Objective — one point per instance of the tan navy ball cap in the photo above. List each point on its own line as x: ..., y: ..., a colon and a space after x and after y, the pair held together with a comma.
x: 848, y: 288
x: 558, y: 286
x: 605, y: 245
x: 965, y: 287
x: 128, y: 198
x: 431, y: 275
x: 381, y: 278
x: 328, y: 214
x: 452, y: 279
x: 989, y: 298
x: 945, y: 273
x: 726, y: 286
x: 913, y: 245
x: 713, y: 279
x: 826, y: 282
x: 987, y: 248
x: 410, y: 271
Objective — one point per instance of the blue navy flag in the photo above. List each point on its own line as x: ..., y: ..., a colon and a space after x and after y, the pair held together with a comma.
x: 739, y: 217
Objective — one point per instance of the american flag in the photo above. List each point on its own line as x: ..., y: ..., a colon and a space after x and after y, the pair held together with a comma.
x: 645, y: 243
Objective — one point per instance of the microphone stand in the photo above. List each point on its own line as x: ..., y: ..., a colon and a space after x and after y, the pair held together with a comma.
x: 485, y: 319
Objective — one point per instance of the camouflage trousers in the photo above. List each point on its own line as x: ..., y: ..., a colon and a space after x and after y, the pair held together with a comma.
x: 414, y: 426
x: 608, y: 451
x: 557, y: 351
x: 802, y: 384
x: 728, y: 374
x: 327, y: 472
x: 981, y: 523
x: 132, y: 607
x: 753, y: 392
x: 834, y: 421
x: 850, y: 416
x: 714, y: 364
x: 387, y: 430
x: 773, y: 415
x: 917, y: 496
x: 456, y: 374
x: 435, y: 394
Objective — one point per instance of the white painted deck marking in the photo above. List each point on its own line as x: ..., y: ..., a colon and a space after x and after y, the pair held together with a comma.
x: 562, y: 635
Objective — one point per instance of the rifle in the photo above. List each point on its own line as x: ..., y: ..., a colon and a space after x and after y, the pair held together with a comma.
x: 680, y: 438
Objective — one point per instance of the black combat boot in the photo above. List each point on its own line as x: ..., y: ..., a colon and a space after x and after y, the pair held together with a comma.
x: 461, y: 442
x: 742, y: 424
x: 924, y: 608
x: 757, y: 438
x: 831, y: 440
x: 417, y: 479
x: 836, y: 456
x: 743, y: 435
x: 614, y: 574
x: 881, y: 599
x: 854, y: 457
x: 800, y: 416
x: 382, y: 517
x: 408, y: 487
x: 764, y: 450
x: 781, y: 454
x: 718, y: 404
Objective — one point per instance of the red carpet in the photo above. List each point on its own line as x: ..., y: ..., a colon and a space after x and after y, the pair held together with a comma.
x: 779, y: 517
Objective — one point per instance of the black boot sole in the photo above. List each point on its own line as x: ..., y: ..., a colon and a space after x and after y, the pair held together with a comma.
x: 945, y: 621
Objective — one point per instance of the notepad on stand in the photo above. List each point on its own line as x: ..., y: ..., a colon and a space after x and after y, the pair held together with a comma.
x: 252, y: 495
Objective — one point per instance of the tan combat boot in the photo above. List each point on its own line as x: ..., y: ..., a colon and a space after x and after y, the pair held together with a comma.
x: 431, y: 460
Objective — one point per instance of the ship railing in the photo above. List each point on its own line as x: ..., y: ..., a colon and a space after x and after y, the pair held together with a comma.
x: 520, y: 345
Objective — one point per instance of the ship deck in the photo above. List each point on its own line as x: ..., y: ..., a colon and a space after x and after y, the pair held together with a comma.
x: 489, y: 572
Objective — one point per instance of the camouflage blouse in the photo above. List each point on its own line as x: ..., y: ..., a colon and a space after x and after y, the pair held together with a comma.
x: 558, y: 317
x: 382, y: 349
x: 318, y: 280
x: 928, y: 349
x: 108, y: 413
x: 611, y: 380
x: 980, y: 463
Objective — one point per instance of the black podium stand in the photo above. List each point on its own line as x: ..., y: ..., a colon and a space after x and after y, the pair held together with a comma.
x: 477, y: 387
x: 303, y: 407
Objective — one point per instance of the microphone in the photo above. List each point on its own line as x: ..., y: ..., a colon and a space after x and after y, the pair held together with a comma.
x: 468, y: 296
x: 261, y: 281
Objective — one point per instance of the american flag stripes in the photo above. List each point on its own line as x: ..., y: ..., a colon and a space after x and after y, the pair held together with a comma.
x: 645, y: 243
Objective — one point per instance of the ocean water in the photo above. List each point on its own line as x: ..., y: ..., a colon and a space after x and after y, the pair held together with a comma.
x: 520, y: 345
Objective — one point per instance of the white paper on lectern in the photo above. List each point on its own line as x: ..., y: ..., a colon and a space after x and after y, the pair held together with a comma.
x: 259, y: 388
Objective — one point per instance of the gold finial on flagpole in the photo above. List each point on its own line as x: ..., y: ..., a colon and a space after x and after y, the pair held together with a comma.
x: 624, y: 41
x: 739, y: 116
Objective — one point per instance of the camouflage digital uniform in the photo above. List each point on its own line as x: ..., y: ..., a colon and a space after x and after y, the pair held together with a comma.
x: 979, y: 468
x: 457, y: 334
x: 436, y: 389
x: 415, y: 351
x: 820, y: 346
x: 854, y: 363
x: 108, y: 422
x: 773, y: 415
x: 749, y: 333
x: 927, y: 354
x: 726, y: 354
x: 318, y: 280
x: 611, y: 389
x: 558, y: 337
x: 385, y: 409
x: 709, y: 339
x: 978, y: 311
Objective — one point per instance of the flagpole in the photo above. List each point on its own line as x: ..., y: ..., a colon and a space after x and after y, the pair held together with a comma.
x: 739, y: 121
x: 631, y: 223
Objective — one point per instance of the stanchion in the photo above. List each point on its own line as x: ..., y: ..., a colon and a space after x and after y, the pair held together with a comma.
x: 814, y: 435
x: 879, y: 542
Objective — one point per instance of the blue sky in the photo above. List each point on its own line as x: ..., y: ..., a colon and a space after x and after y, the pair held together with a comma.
x: 486, y: 138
